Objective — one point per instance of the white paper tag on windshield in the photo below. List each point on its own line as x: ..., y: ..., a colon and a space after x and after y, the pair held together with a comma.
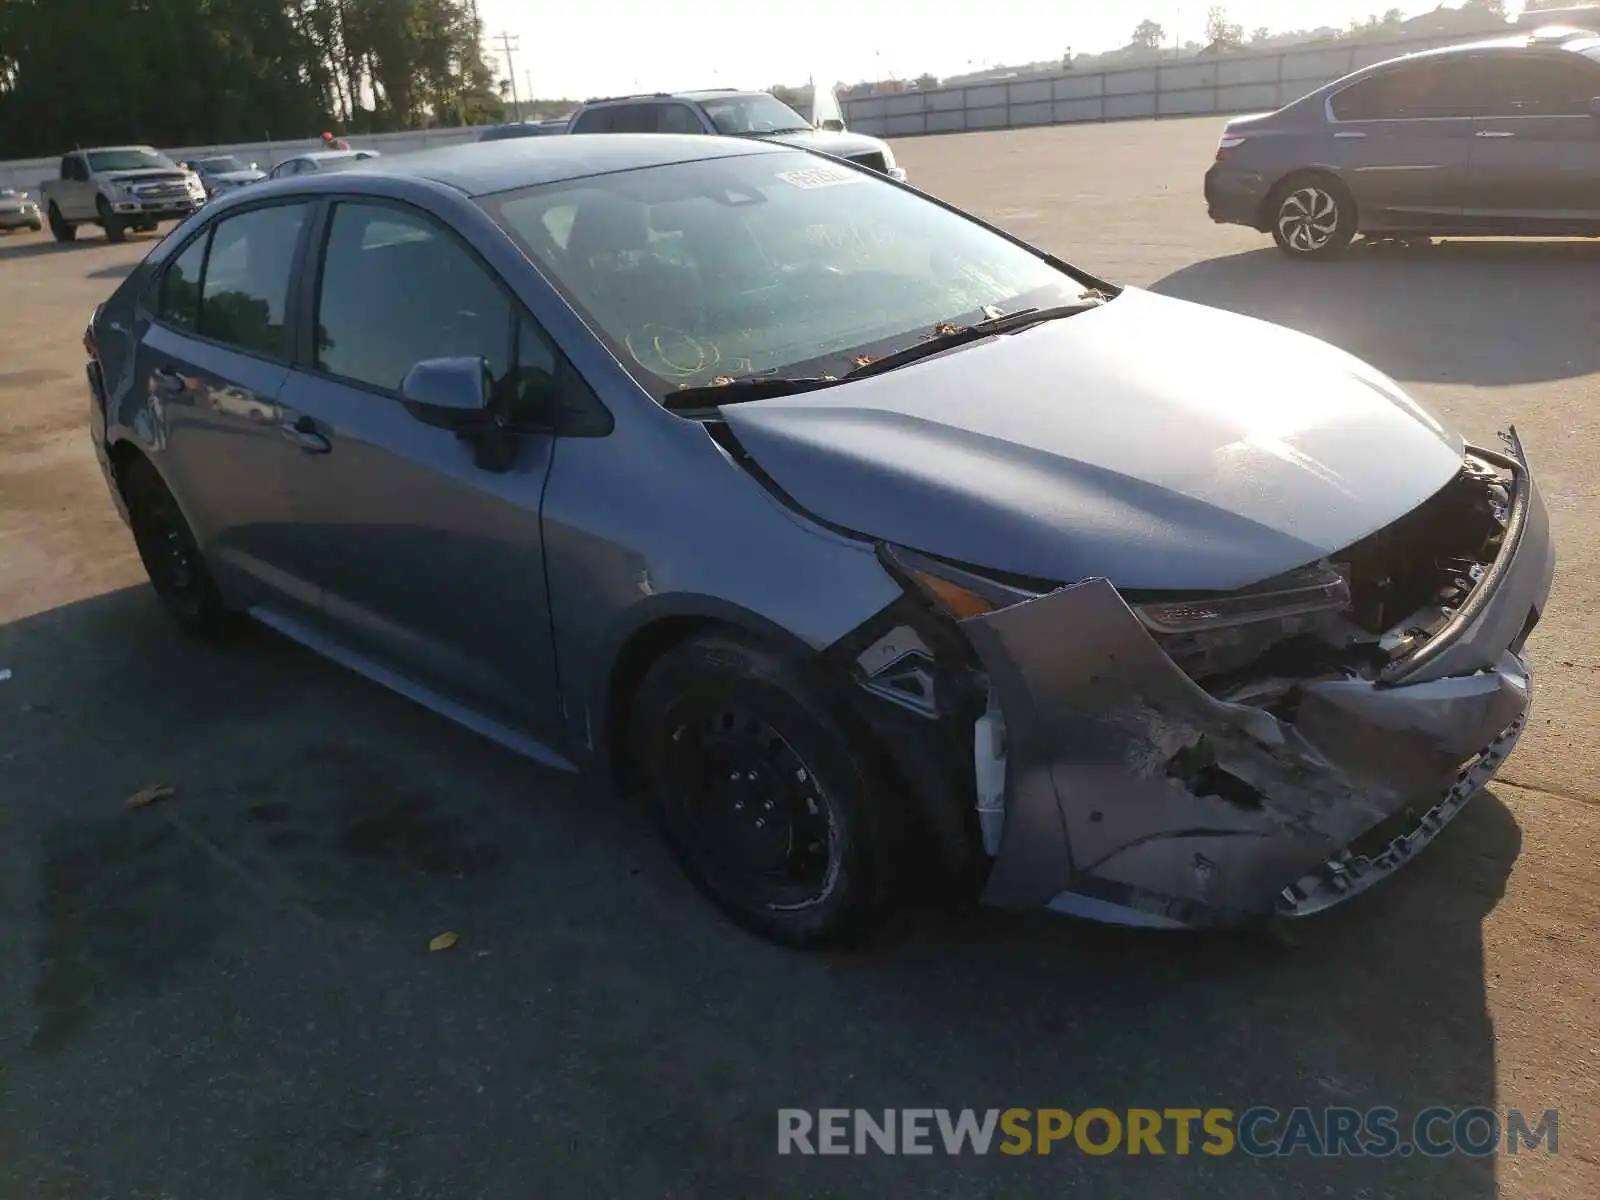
x: 821, y: 177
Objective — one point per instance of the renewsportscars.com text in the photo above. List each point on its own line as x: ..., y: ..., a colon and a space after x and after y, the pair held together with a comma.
x: 1259, y: 1131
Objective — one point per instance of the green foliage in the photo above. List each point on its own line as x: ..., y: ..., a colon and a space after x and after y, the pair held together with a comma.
x: 198, y: 72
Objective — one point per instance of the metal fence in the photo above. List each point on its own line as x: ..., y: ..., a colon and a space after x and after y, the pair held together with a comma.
x: 1231, y: 84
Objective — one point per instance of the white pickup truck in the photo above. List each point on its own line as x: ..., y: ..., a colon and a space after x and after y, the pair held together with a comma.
x: 118, y: 188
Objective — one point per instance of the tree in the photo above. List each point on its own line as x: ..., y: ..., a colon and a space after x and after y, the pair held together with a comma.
x: 1149, y: 35
x: 1494, y: 8
x: 924, y: 82
x: 198, y: 72
x: 1221, y: 32
x: 1261, y: 34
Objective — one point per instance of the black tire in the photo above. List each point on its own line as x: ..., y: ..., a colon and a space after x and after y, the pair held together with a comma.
x: 116, y: 231
x: 60, y: 229
x: 171, y: 556
x: 1312, y: 216
x: 767, y: 801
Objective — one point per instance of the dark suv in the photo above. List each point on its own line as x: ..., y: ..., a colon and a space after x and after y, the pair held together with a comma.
x: 730, y: 113
x: 1493, y: 138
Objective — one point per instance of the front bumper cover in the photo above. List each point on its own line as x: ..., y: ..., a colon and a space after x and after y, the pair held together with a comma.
x: 1366, y: 774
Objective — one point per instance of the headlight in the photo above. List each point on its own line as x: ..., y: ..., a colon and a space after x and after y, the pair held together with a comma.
x: 956, y: 592
x: 1318, y: 588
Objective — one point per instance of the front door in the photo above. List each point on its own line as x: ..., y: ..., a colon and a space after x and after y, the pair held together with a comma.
x: 214, y: 357
x: 1402, y: 138
x: 1535, y: 165
x: 426, y: 552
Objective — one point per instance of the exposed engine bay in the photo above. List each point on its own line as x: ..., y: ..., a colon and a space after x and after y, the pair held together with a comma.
x: 1183, y: 759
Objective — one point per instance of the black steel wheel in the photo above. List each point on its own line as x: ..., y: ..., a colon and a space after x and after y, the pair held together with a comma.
x: 171, y: 557
x: 1313, y: 216
x: 763, y: 795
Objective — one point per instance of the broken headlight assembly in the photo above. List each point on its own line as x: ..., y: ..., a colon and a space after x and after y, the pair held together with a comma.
x: 1286, y: 625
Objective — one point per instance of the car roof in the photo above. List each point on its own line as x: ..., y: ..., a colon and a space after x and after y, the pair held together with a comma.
x: 482, y: 168
x: 102, y: 149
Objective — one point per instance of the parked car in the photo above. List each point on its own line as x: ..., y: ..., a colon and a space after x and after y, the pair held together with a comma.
x: 730, y: 113
x: 314, y: 161
x: 220, y: 173
x: 1499, y: 137
x: 524, y: 129
x: 866, y: 541
x: 118, y: 188
x: 18, y: 211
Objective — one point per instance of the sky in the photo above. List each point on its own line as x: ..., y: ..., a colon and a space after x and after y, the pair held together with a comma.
x: 605, y: 47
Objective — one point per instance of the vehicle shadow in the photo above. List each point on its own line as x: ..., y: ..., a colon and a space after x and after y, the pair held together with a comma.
x: 254, y: 946
x: 1488, y: 313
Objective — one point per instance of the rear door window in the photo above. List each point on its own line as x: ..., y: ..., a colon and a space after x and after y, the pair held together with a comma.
x: 1441, y: 88
x: 246, y: 289
x: 180, y: 286
x: 594, y: 120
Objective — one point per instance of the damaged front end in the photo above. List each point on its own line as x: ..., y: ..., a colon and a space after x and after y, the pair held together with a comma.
x: 1178, y: 760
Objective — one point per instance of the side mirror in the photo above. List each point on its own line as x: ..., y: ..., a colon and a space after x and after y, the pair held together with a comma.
x: 448, y: 393
x: 254, y: 167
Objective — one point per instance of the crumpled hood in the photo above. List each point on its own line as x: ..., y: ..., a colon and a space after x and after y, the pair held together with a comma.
x: 1157, y: 443
x: 841, y: 145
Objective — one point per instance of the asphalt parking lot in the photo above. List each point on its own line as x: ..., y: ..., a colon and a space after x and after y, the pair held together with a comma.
x: 230, y: 993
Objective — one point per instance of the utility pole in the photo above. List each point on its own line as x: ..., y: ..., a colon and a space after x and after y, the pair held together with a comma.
x: 506, y: 45
x: 527, y: 78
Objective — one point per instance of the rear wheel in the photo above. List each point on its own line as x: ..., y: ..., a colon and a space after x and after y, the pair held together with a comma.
x: 60, y: 229
x: 1313, y: 216
x: 171, y: 556
x: 761, y: 793
x: 110, y: 222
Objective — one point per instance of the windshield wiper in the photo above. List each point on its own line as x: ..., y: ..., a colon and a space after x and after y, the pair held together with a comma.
x: 751, y: 387
x: 959, y: 335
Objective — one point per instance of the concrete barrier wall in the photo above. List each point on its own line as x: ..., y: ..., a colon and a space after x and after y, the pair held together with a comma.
x: 1233, y: 84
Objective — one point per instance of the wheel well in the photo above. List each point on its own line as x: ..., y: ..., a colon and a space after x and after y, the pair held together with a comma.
x: 1270, y: 202
x: 634, y: 661
x: 123, y: 456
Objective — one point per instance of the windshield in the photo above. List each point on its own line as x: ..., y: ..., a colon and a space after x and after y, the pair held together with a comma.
x: 140, y: 158
x: 220, y: 166
x: 782, y: 264
x: 758, y: 113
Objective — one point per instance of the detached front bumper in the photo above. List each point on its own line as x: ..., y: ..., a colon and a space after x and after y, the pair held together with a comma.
x: 1300, y: 814
x: 167, y: 208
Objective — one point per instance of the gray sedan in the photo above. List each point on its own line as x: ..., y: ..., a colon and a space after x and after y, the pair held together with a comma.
x: 18, y: 210
x: 868, y: 543
x: 1495, y: 138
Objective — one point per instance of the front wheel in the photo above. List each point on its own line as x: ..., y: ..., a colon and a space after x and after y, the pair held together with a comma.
x: 116, y: 231
x: 1312, y: 217
x: 763, y: 795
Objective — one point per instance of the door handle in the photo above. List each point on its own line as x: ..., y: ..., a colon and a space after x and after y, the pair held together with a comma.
x: 302, y: 431
x: 1494, y: 133
x: 1350, y: 133
x: 167, y: 380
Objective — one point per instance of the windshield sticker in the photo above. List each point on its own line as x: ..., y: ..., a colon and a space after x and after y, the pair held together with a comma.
x: 821, y: 177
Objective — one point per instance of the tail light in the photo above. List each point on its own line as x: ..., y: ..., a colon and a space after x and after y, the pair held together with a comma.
x: 1228, y: 142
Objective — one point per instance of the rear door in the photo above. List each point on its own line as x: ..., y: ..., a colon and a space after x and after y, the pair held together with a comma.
x: 1402, y: 140
x: 427, y: 553
x: 1535, y: 162
x: 212, y: 360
